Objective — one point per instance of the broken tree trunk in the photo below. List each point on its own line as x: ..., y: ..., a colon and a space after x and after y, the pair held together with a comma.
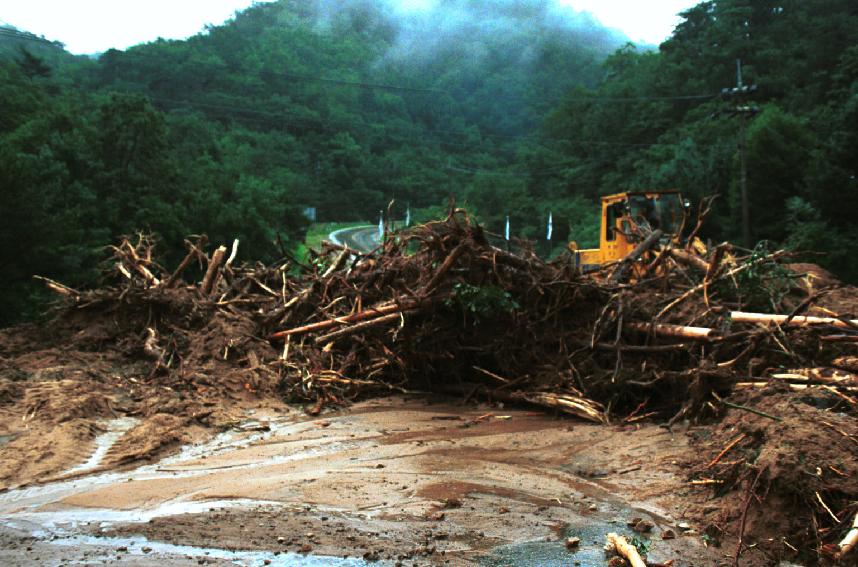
x: 232, y: 254
x: 818, y: 376
x: 57, y: 287
x: 499, y: 256
x: 338, y: 263
x: 648, y: 242
x: 624, y: 549
x: 193, y: 252
x: 362, y: 326
x: 573, y: 405
x: 566, y: 402
x: 445, y: 267
x: 210, y: 279
x: 713, y: 268
x: 676, y: 331
x: 847, y: 363
x: 797, y: 321
x: 690, y: 260
x: 359, y: 316
x: 715, y: 261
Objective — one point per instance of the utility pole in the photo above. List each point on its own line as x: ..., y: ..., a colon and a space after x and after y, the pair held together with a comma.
x: 740, y: 94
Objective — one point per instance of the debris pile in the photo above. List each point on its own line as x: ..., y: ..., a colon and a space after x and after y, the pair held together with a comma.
x: 438, y: 308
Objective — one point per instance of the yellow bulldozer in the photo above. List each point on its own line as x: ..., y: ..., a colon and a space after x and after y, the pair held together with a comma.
x: 632, y: 222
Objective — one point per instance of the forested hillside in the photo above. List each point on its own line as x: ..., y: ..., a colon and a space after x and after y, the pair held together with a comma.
x: 515, y: 107
x: 802, y: 141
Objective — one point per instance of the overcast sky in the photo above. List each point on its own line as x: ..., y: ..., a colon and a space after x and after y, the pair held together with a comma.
x: 90, y: 26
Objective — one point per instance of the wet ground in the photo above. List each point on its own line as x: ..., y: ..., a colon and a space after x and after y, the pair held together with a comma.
x: 391, y: 481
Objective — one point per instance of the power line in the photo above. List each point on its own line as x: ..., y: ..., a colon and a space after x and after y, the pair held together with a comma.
x: 335, y: 126
x: 370, y: 125
x: 638, y: 98
x: 26, y: 36
x: 318, y: 122
x: 452, y: 95
x: 359, y: 84
x: 16, y: 34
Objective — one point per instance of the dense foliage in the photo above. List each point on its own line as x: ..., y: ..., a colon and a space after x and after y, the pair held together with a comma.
x: 515, y: 107
x: 802, y: 144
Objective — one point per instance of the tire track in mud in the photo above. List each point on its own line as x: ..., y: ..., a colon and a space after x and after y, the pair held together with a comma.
x: 394, y: 478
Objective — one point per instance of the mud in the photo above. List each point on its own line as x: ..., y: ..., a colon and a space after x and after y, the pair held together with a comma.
x: 806, y: 446
x: 394, y: 480
x: 56, y: 403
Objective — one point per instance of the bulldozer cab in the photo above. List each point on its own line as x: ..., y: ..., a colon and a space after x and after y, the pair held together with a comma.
x: 634, y: 215
x: 628, y: 218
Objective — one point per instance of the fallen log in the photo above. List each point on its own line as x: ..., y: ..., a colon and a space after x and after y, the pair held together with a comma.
x: 362, y: 326
x: 57, y: 287
x: 623, y: 548
x: 330, y: 323
x: 848, y: 363
x: 573, y: 405
x: 798, y: 321
x: 499, y: 256
x: 659, y: 260
x: 445, y: 267
x: 648, y: 242
x: 335, y: 378
x: 675, y: 331
x: 690, y: 260
x: 819, y: 376
x: 568, y: 403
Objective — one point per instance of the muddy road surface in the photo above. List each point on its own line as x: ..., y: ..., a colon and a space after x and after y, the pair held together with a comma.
x: 391, y: 481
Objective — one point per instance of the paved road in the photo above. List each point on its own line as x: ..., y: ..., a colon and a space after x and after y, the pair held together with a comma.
x: 360, y: 238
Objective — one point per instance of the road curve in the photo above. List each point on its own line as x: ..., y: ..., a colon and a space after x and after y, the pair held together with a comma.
x: 361, y: 238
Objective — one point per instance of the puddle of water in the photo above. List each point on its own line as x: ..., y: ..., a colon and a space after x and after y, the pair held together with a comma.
x: 65, y: 521
x: 34, y: 496
x: 24, y: 506
x: 545, y: 554
x: 116, y: 428
x: 135, y: 546
x: 590, y: 552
